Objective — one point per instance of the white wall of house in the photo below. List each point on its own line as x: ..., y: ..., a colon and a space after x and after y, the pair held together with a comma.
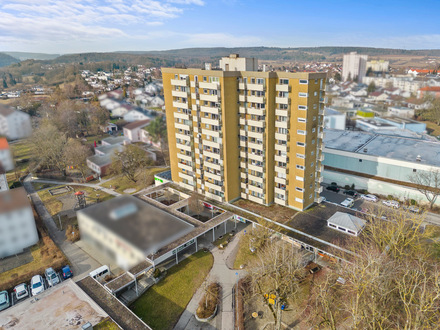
x: 134, y: 115
x: 17, y: 231
x: 6, y: 159
x: 16, y: 126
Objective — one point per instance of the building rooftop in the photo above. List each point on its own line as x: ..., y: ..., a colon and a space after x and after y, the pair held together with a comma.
x: 380, y: 145
x: 347, y: 221
x: 100, y: 160
x: 13, y: 199
x: 64, y: 306
x: 6, y: 110
x: 4, y: 145
x: 112, y: 140
x: 109, y: 149
x: 164, y: 175
x: 146, y: 227
x: 137, y: 124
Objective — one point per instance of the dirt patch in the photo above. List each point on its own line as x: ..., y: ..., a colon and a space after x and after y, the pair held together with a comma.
x: 129, y: 191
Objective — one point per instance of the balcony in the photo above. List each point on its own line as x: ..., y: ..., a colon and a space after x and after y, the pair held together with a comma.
x: 183, y: 105
x: 281, y: 147
x: 282, y: 100
x: 256, y: 135
x: 185, y: 167
x: 210, y: 121
x: 242, y: 98
x: 319, y: 179
x: 208, y: 85
x: 183, y: 137
x: 181, y: 115
x: 256, y: 99
x: 257, y: 112
x: 194, y: 84
x: 318, y: 190
x: 242, y: 110
x: 255, y: 199
x: 280, y: 136
x: 280, y: 201
x: 213, y: 176
x: 255, y: 146
x: 282, y: 159
x: 183, y: 147
x: 179, y: 94
x: 282, y: 124
x: 280, y: 112
x: 184, y: 157
x: 258, y: 158
x: 255, y: 123
x: 280, y: 170
x: 179, y: 82
x: 213, y: 196
x: 283, y: 88
x: 242, y: 121
x: 187, y: 186
x: 182, y: 126
x: 209, y: 98
x: 214, y: 110
x: 280, y: 191
x: 256, y: 189
x: 319, y: 200
x: 255, y: 87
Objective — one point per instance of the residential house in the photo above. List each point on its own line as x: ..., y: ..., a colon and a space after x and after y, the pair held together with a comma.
x: 121, y: 110
x: 6, y: 159
x: 100, y: 162
x: 334, y: 119
x: 18, y: 230
x: 14, y: 124
x: 403, y: 112
x: 134, y: 131
x: 136, y: 115
x: 429, y: 91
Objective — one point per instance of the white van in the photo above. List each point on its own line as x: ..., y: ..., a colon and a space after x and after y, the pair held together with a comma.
x: 100, y: 273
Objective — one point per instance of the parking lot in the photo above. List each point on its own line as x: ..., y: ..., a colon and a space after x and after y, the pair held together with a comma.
x: 13, y: 298
x: 361, y: 204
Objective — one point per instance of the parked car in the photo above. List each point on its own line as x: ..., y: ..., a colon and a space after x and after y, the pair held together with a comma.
x: 370, y: 198
x: 67, y: 273
x: 351, y: 193
x: 348, y: 202
x: 333, y: 188
x: 4, y: 300
x: 391, y: 203
x: 21, y: 291
x: 412, y: 208
x: 51, y: 277
x: 37, y: 285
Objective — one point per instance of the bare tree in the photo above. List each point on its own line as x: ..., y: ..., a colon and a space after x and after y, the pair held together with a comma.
x: 428, y: 183
x: 275, y: 273
x: 130, y: 162
x: 76, y: 156
x: 195, y: 203
x: 392, y: 282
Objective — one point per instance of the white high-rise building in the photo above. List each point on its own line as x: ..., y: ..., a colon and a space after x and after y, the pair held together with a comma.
x: 354, y: 66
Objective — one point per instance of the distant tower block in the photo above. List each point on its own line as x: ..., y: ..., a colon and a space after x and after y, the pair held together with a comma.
x: 80, y: 200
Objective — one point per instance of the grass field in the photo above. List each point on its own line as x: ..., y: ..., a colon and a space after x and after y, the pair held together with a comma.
x: 21, y: 151
x: 244, y: 255
x: 120, y: 183
x: 161, y: 306
x: 107, y: 324
x: 432, y: 128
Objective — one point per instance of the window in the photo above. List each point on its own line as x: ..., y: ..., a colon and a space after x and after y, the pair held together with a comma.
x: 314, y: 118
x: 299, y: 200
x: 414, y: 170
x: 313, y: 141
x: 302, y: 94
x: 300, y: 156
x: 316, y: 93
x: 311, y: 165
x: 302, y: 107
x: 302, y: 120
x: 313, y: 130
x: 299, y: 189
x: 360, y: 161
x: 301, y: 132
x: 284, y: 81
x: 300, y: 167
x: 300, y: 144
x: 314, y: 106
x: 303, y: 81
x: 299, y: 178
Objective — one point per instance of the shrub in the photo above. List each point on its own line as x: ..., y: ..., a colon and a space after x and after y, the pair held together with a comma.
x: 347, y: 187
x: 209, y: 301
x: 157, y: 273
x: 413, y: 202
x: 72, y: 233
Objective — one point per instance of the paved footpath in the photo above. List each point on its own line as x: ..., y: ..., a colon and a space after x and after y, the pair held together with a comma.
x: 227, y: 279
x: 81, y: 262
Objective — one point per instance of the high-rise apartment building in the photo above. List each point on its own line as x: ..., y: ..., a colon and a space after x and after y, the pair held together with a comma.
x: 354, y: 66
x: 246, y: 134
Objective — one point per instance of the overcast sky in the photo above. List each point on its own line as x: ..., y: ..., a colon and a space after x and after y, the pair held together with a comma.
x: 73, y: 26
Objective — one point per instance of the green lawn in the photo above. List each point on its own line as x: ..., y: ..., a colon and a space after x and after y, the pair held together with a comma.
x: 432, y: 128
x: 120, y: 183
x: 161, y: 306
x: 22, y: 152
x: 107, y: 324
x: 244, y: 254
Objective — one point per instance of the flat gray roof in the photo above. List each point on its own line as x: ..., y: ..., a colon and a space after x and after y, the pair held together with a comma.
x: 100, y: 160
x: 145, y: 226
x: 394, y: 147
x: 115, y: 139
x: 109, y: 149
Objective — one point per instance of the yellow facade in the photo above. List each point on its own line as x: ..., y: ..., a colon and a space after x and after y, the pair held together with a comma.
x: 246, y: 134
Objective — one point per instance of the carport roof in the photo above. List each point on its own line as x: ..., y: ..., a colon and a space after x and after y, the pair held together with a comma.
x: 347, y: 221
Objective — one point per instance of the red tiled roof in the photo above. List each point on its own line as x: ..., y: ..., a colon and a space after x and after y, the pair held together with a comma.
x: 137, y: 124
x: 4, y: 144
x: 430, y: 89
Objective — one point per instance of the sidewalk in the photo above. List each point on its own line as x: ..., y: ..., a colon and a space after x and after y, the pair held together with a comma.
x: 227, y: 279
x: 96, y: 186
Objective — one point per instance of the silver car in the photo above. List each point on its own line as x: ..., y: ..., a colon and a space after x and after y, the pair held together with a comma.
x: 51, y: 277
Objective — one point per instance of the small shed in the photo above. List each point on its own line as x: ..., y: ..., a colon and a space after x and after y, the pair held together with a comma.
x: 346, y: 223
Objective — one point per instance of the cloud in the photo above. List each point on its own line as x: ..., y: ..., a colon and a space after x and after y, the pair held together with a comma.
x: 51, y: 21
x: 221, y: 40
